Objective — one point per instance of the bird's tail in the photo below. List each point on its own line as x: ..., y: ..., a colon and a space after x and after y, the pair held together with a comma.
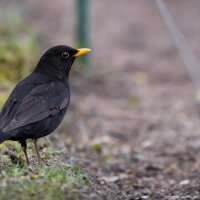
x: 4, y: 136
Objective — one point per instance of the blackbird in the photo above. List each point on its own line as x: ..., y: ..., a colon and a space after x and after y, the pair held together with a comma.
x: 38, y: 103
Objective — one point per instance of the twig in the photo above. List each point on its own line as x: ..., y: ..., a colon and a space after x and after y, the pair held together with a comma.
x: 189, y: 58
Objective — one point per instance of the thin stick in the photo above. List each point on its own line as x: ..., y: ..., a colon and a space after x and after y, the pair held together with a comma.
x: 189, y: 58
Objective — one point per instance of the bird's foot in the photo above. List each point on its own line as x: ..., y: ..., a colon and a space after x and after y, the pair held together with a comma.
x: 42, y: 162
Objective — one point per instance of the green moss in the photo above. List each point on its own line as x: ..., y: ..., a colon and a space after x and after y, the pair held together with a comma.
x: 97, y: 147
x: 45, y: 182
x: 58, y: 181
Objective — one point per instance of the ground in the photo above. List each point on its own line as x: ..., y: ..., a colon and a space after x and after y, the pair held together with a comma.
x: 132, y: 129
x: 145, y: 147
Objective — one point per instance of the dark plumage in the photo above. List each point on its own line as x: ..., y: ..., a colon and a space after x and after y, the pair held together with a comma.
x: 38, y: 103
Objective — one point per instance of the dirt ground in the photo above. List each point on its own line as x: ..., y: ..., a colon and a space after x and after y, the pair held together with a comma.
x: 140, y: 107
x: 133, y: 122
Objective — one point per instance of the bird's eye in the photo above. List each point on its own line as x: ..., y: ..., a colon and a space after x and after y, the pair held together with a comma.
x: 65, y: 55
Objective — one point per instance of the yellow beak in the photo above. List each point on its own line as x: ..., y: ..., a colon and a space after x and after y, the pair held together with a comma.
x: 82, y: 51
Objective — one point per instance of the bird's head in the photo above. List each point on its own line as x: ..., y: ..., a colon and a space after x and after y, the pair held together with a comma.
x: 57, y: 61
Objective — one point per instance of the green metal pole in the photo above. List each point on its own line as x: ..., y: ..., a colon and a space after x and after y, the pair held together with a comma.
x: 83, y: 29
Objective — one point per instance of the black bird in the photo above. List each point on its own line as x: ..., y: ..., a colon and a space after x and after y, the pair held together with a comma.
x: 38, y: 103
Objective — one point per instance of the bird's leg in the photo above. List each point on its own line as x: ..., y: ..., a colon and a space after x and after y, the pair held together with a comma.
x: 24, y: 147
x: 36, y: 149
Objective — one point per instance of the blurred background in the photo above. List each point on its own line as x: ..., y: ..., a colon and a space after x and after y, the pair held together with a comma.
x: 133, y: 96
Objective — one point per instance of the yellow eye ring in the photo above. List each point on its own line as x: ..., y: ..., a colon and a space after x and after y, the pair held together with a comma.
x: 65, y: 54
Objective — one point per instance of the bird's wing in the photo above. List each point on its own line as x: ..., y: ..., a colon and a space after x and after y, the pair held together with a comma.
x: 41, y: 102
x: 22, y: 89
x: 6, y: 109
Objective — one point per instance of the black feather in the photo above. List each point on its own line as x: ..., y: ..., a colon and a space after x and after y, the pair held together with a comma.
x: 4, y: 137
